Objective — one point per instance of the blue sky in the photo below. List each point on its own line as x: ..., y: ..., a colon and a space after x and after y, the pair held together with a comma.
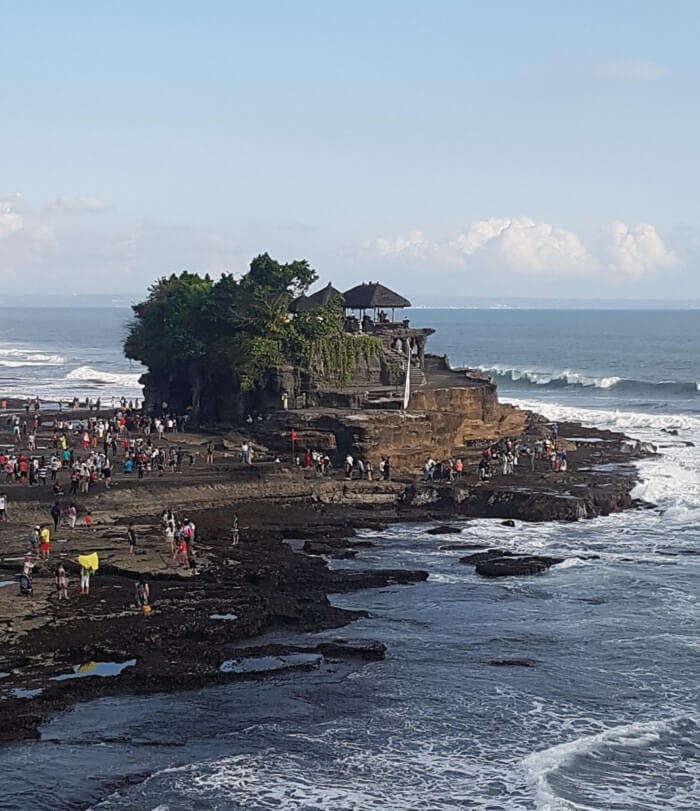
x: 541, y: 149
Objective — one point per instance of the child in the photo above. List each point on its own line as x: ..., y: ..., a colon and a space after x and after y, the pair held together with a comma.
x: 88, y: 520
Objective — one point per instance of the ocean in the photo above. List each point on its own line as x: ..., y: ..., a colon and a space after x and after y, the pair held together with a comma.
x: 605, y: 717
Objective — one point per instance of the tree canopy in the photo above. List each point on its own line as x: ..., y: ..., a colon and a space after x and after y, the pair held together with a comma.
x: 236, y: 329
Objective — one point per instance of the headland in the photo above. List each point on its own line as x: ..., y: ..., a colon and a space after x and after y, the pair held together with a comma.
x: 387, y: 434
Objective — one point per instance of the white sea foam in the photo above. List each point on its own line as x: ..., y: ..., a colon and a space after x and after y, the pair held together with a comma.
x: 613, y: 419
x: 17, y: 357
x: 127, y: 380
x: 541, y: 765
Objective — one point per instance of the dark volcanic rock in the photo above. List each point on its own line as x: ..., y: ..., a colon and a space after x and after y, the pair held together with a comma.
x: 511, y: 663
x: 367, y: 649
x: 341, y: 581
x: 453, y: 547
x: 331, y: 551
x: 509, y: 566
x: 508, y: 523
x: 444, y: 529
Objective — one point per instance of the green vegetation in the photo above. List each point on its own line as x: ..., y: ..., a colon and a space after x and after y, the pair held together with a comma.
x: 229, y: 333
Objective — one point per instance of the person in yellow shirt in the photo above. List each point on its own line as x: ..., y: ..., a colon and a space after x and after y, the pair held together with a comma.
x: 45, y: 542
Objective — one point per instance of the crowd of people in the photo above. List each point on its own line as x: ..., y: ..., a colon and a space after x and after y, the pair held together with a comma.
x: 503, y: 457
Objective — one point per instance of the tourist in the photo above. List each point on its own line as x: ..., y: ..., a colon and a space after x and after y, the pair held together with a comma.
x: 85, y: 573
x: 563, y: 464
x: 88, y: 520
x: 387, y: 468
x: 131, y: 534
x: 27, y: 566
x: 56, y: 514
x: 245, y: 453
x: 3, y: 506
x: 61, y: 582
x: 72, y: 515
x: 349, y: 461
x: 210, y: 454
x: 106, y: 472
x: 483, y: 469
x: 143, y: 592
x: 235, y: 531
x: 34, y: 537
x: 45, y: 543
x: 369, y: 469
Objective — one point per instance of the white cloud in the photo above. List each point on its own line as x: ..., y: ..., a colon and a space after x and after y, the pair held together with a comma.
x: 412, y: 242
x: 11, y: 219
x: 632, y: 70
x: 78, y: 203
x: 479, y: 233
x: 522, y: 245
x: 64, y: 243
x: 637, y: 251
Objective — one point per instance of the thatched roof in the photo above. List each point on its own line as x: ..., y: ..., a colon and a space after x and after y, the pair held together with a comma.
x: 322, y: 297
x: 372, y: 294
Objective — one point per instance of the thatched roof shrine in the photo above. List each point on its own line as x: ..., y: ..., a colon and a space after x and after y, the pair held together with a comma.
x: 373, y: 295
x: 322, y: 297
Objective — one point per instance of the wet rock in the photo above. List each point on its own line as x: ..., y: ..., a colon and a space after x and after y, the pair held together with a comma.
x: 508, y: 523
x: 320, y: 548
x: 373, y: 578
x: 515, y: 566
x: 454, y: 547
x: 444, y: 529
x: 512, y: 663
x: 368, y: 650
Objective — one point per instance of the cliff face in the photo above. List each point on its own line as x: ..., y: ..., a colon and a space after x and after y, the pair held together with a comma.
x: 439, y: 423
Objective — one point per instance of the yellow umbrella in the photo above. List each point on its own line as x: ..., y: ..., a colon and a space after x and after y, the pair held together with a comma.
x: 89, y: 562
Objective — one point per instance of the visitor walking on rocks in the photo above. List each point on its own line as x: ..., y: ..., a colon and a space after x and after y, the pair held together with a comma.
x: 61, y: 582
x: 210, y: 453
x: 85, y: 581
x: 235, y: 531
x: 56, y: 514
x: 131, y: 534
x: 143, y: 592
x: 3, y: 506
x: 45, y: 545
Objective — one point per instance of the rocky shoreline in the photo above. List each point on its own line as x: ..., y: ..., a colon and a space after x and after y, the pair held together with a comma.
x: 56, y: 654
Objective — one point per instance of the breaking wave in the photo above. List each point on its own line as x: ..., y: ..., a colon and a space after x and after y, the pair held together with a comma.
x: 614, y: 753
x: 87, y: 374
x: 527, y: 378
x: 17, y: 357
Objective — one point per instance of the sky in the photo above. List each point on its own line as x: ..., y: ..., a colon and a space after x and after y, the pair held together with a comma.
x: 448, y: 149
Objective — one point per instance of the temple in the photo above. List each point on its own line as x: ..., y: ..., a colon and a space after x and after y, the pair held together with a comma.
x: 370, y: 310
x: 367, y: 413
